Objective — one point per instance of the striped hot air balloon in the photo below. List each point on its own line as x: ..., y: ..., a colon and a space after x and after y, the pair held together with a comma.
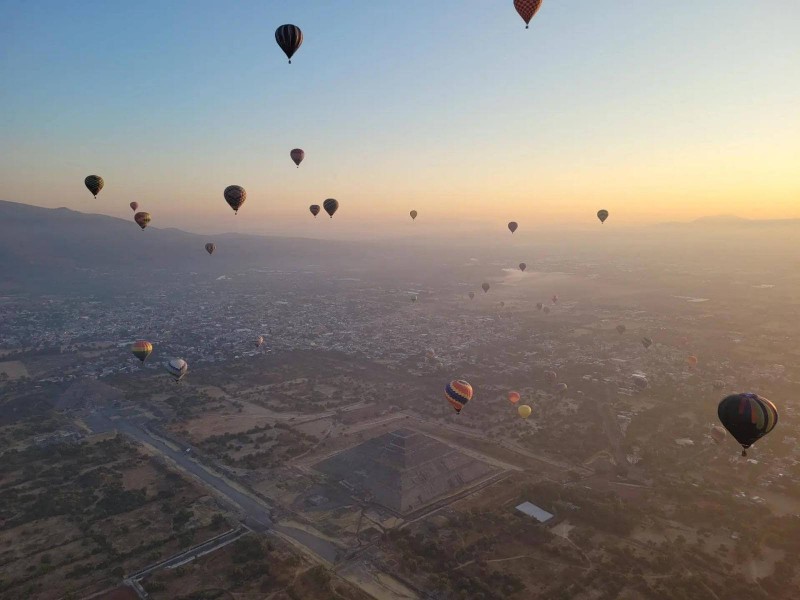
x: 142, y: 219
x: 176, y: 367
x: 527, y: 9
x: 331, y: 206
x: 748, y: 417
x: 94, y: 183
x: 235, y: 197
x: 210, y: 247
x: 141, y: 349
x: 458, y: 393
x: 289, y: 38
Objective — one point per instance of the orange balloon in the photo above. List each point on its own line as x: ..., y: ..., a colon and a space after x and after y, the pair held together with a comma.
x: 513, y: 397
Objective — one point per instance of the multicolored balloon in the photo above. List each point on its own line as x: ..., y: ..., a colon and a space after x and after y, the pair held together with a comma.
x: 485, y: 287
x: 413, y: 214
x: 235, y: 197
x: 527, y: 9
x: 314, y: 208
x: 259, y: 341
x: 141, y: 349
x: 513, y: 397
x: 331, y: 206
x: 176, y: 367
x: 748, y: 417
x: 142, y: 219
x: 602, y: 215
x: 640, y: 381
x: 210, y: 248
x: 94, y: 183
x: 297, y: 156
x: 414, y: 298
x: 512, y: 226
x: 647, y: 342
x: 524, y: 411
x: 289, y: 38
x: 522, y: 267
x: 458, y: 393
x: 134, y: 206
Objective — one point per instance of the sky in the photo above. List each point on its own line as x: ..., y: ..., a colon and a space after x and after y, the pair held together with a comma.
x: 655, y: 111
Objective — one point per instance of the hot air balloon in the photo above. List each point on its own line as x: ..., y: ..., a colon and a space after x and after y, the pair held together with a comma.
x: 210, y: 248
x: 485, y: 287
x: 718, y: 384
x: 513, y: 397
x: 259, y: 341
x: 413, y: 214
x: 539, y: 306
x: 551, y: 376
x: 413, y: 298
x: 691, y: 360
x: 176, y: 367
x: 554, y: 299
x: 621, y: 329
x: 647, y: 342
x: 526, y: 9
x: 502, y: 303
x: 297, y: 156
x: 718, y: 434
x: 522, y: 267
x: 289, y: 38
x: 602, y: 215
x: 134, y: 206
x: 472, y: 295
x: 458, y: 393
x: 561, y: 388
x: 142, y: 219
x: 546, y: 310
x: 141, y: 349
x: 524, y: 411
x: 94, y: 184
x: 430, y: 353
x: 235, y: 197
x: 314, y: 208
x: 748, y: 417
x: 331, y: 206
x: 640, y: 381
x: 512, y: 226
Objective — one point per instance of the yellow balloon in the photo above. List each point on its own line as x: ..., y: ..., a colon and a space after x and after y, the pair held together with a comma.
x: 524, y: 411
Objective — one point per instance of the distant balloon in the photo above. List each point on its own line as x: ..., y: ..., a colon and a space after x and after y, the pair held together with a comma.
x: 539, y: 306
x: 141, y: 349
x: 522, y: 267
x: 524, y: 411
x: 472, y: 295
x: 551, y: 376
x: 210, y: 248
x: 94, y: 184
x: 134, y: 206
x: 176, y: 367
x: 640, y: 381
x: 289, y: 38
x: 546, y: 310
x: 691, y: 360
x: 554, y: 299
x: 602, y: 215
x: 314, y: 208
x: 718, y: 434
x: 621, y: 329
x: 748, y: 417
x: 513, y: 397
x: 458, y: 393
x: 512, y: 226
x: 502, y: 303
x: 561, y: 388
x: 413, y: 214
x: 414, y: 298
x: 259, y: 341
x: 142, y: 219
x: 647, y: 342
x: 235, y: 197
x: 718, y: 384
x: 527, y: 9
x: 331, y: 206
x: 297, y: 156
x: 485, y: 287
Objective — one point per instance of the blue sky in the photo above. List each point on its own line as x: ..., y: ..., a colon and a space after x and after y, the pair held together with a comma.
x: 655, y: 110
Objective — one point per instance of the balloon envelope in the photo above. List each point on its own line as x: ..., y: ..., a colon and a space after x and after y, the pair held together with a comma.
x: 485, y: 287
x: 472, y: 295
x: 647, y: 342
x: 235, y: 197
x: 176, y: 367
x: 331, y: 206
x: 297, y: 156
x: 527, y: 9
x: 413, y: 214
x: 512, y: 226
x: 458, y: 393
x: 289, y: 38
x: 513, y: 397
x: 748, y: 417
x: 141, y: 349
x: 210, y: 248
x: 94, y: 183
x: 524, y: 411
x: 551, y: 376
x: 142, y: 219
x: 602, y: 215
x: 134, y: 206
x: 314, y: 208
x: 621, y: 329
x: 259, y: 341
x: 522, y: 267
